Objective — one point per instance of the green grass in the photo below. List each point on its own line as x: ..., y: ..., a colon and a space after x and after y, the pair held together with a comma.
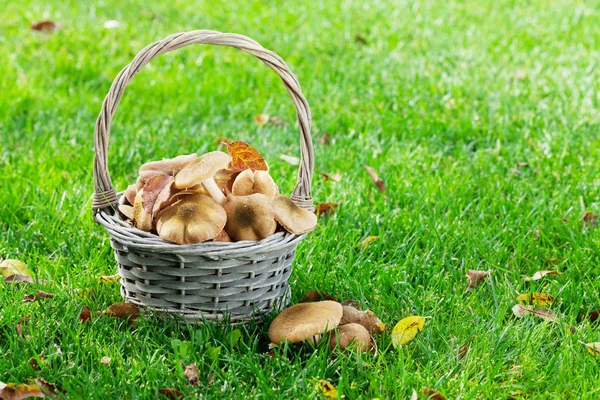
x: 444, y: 99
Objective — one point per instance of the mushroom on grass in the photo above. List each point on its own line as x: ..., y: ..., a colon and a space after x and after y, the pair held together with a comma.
x: 305, y: 321
x: 367, y: 318
x: 293, y: 218
x: 348, y: 335
x: 249, y: 217
x: 249, y: 182
x: 196, y: 218
x: 202, y: 171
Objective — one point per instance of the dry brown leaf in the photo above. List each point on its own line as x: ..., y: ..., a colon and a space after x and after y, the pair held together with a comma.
x: 368, y: 240
x: 19, y: 326
x: 593, y: 315
x: 156, y: 191
x: 462, y: 352
x: 110, y: 278
x: 375, y: 178
x: 520, y: 310
x: 541, y: 274
x: 292, y: 160
x: 244, y: 156
x: 545, y: 314
x: 13, y: 391
x: 261, y: 119
x: 51, y: 389
x: 10, y: 267
x: 85, y: 314
x: 191, y: 373
x: 326, y: 209
x: 316, y: 295
x: 590, y: 219
x: 337, y: 177
x: 171, y: 394
x: 30, y: 298
x: 433, y: 394
x: 475, y: 277
x: 593, y: 348
x: 34, y: 363
x: 18, y: 279
x: 123, y: 310
x: 46, y: 26
x: 43, y: 295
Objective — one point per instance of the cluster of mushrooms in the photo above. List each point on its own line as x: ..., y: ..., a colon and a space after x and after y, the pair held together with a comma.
x: 191, y: 199
x: 343, y: 323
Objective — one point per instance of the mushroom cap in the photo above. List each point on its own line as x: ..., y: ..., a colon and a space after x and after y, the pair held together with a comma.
x: 203, y: 168
x: 196, y: 218
x: 167, y: 166
x: 305, y: 320
x: 222, y: 237
x: 142, y: 219
x: 249, y: 217
x: 349, y: 334
x: 129, y: 193
x: 293, y: 218
x: 367, y: 318
x: 249, y: 182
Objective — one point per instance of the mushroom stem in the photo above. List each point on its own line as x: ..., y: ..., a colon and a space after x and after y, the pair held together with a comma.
x: 214, y: 191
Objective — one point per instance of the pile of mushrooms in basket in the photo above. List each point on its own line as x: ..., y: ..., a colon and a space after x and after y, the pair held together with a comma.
x: 217, y: 196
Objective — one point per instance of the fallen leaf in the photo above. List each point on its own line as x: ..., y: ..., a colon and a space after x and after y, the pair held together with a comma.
x: 541, y: 274
x: 123, y: 310
x: 545, y: 314
x: 13, y: 391
x: 541, y: 299
x: 51, y: 389
x: 326, y: 209
x: 593, y: 348
x: 326, y: 389
x: 46, y: 26
x: 292, y: 160
x: 85, y: 314
x: 171, y: 394
x: 475, y: 277
x: 520, y: 310
x: 211, y: 379
x: 244, y: 156
x: 462, y: 352
x: 43, y: 295
x: 30, y: 298
x: 110, y: 278
x: 433, y: 394
x: 590, y: 219
x: 191, y: 373
x: 337, y: 177
x: 156, y: 191
x: 406, y: 330
x: 325, y: 139
x: 36, y: 361
x: 358, y: 38
x: 105, y: 360
x: 261, y: 119
x: 593, y: 315
x: 414, y: 396
x: 111, y: 24
x: 375, y: 178
x: 19, y: 326
x: 368, y: 240
x: 18, y: 279
x: 13, y: 267
x: 316, y: 295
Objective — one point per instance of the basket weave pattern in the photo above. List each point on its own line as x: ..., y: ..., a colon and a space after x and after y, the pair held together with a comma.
x: 204, y: 280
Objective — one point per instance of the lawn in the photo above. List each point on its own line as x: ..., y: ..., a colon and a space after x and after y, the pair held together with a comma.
x: 447, y: 100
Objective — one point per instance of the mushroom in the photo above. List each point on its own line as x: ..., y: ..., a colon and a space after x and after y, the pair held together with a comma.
x: 195, y: 218
x: 129, y: 193
x: 126, y: 210
x: 142, y: 219
x: 249, y: 182
x: 249, y: 217
x: 202, y: 171
x: 225, y: 178
x: 304, y: 321
x: 293, y: 218
x: 167, y: 166
x: 350, y: 334
x: 222, y: 237
x: 367, y: 318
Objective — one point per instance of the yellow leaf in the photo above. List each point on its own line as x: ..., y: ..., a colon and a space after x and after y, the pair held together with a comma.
x: 368, y: 240
x: 110, y: 278
x: 18, y: 392
x: 326, y: 389
x: 593, y: 348
x: 541, y: 299
x: 13, y: 267
x: 406, y: 330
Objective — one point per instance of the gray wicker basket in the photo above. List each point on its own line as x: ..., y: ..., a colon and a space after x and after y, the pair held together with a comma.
x: 204, y: 281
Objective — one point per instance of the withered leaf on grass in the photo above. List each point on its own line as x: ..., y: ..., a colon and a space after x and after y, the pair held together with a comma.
x: 316, y: 295
x: 593, y: 348
x: 375, y: 178
x: 433, y: 394
x: 292, y: 160
x: 326, y: 209
x: 13, y: 391
x: 123, y: 310
x: 590, y: 219
x: 520, y: 310
x: 593, y: 315
x: 18, y: 279
x: 171, y: 394
x: 13, y: 267
x: 30, y: 298
x: 541, y: 274
x: 85, y: 314
x: 36, y: 361
x: 368, y: 240
x: 475, y: 277
x: 191, y: 373
x: 19, y: 326
x: 44, y: 26
x: 337, y: 177
x: 244, y: 156
x: 406, y: 329
x: 326, y: 389
x: 462, y: 352
x: 541, y: 299
x: 51, y: 389
x: 43, y: 295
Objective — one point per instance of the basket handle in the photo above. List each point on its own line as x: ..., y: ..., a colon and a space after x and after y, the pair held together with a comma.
x: 104, y: 192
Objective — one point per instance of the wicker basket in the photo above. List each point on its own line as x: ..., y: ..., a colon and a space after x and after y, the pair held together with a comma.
x: 204, y: 281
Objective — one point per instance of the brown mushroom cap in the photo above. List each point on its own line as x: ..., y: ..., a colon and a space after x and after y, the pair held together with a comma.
x: 305, y: 320
x: 167, y: 166
x: 249, y: 217
x: 205, y: 167
x: 129, y: 193
x: 293, y: 218
x: 350, y: 334
x: 196, y: 218
x: 142, y: 219
x: 249, y: 182
x: 367, y: 318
